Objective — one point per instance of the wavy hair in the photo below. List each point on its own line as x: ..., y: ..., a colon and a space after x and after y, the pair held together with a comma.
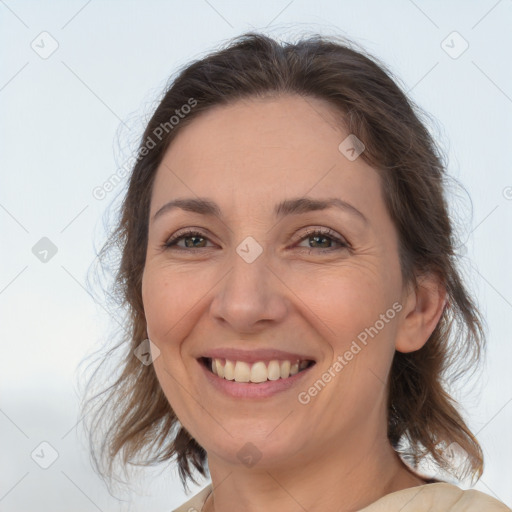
x: 132, y: 418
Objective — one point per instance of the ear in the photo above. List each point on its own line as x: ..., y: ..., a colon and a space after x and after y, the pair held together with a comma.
x: 423, y: 307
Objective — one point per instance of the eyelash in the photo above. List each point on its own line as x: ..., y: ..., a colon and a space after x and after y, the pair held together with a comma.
x: 328, y: 233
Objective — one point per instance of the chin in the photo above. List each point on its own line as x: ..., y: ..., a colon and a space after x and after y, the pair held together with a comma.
x: 257, y: 449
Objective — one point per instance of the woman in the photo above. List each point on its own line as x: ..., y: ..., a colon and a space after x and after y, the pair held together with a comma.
x: 289, y: 270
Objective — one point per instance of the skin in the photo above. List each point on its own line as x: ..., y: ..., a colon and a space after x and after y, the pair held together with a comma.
x: 332, y: 453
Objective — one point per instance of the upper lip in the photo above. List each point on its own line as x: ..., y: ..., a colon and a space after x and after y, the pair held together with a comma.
x: 252, y: 356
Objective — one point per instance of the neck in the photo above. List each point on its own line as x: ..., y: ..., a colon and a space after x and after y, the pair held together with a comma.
x: 344, y: 478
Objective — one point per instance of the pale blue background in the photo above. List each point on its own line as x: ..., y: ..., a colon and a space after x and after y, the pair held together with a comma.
x: 69, y: 121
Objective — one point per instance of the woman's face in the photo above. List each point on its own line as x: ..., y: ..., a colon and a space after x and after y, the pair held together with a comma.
x: 256, y: 278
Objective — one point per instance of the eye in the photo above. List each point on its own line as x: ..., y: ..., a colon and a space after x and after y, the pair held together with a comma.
x: 320, y: 235
x: 186, y: 236
x: 194, y: 239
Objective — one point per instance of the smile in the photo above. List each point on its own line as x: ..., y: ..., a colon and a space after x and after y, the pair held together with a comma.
x: 247, y: 389
x: 257, y: 372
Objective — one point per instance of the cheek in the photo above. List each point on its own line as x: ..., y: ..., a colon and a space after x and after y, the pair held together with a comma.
x: 170, y: 298
x: 352, y: 309
x: 345, y: 300
x: 167, y: 301
x: 160, y: 304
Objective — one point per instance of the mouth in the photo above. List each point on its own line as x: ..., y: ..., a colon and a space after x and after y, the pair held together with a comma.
x: 258, y: 372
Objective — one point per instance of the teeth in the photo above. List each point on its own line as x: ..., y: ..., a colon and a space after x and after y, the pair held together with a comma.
x: 274, y: 370
x: 229, y: 369
x: 219, y: 367
x: 285, y: 369
x: 240, y: 371
x: 259, y: 372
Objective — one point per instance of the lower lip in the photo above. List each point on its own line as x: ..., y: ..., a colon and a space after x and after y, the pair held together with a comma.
x: 250, y: 389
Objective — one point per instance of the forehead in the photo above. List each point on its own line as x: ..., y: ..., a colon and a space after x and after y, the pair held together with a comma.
x: 286, y: 123
x: 257, y: 149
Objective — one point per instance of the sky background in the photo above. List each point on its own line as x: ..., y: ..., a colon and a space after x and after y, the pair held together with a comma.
x: 77, y: 81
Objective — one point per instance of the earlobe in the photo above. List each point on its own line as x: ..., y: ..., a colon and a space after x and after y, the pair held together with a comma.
x: 423, y: 308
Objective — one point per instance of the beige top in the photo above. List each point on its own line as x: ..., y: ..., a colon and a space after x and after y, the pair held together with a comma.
x: 438, y: 497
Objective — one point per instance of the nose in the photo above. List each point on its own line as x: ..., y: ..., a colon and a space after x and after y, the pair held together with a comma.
x: 250, y: 296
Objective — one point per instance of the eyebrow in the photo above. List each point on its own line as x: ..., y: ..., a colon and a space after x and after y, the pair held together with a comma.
x: 293, y: 206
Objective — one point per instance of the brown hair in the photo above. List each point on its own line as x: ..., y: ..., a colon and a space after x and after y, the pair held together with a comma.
x: 423, y: 418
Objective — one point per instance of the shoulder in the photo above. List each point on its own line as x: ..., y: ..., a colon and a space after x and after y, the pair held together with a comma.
x: 195, y: 504
x: 437, y: 497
